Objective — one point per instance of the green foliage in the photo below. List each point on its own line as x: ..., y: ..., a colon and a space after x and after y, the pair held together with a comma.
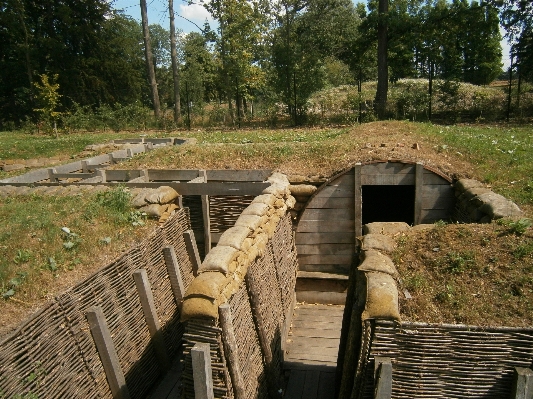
x: 459, y: 262
x: 48, y: 99
x: 117, y: 199
x: 519, y: 227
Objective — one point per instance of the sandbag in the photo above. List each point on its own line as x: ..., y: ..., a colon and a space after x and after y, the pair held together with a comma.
x: 168, y: 212
x: 378, y: 242
x: 375, y: 261
x: 381, y: 297
x: 257, y: 209
x: 291, y: 202
x: 162, y: 195
x: 138, y: 201
x: 302, y: 189
x: 154, y: 210
x: 388, y: 228
x: 198, y: 307
x: 278, y: 178
x: 234, y: 237
x: 277, y: 190
x: 208, y: 285
x: 218, y: 259
x: 251, y: 221
x: 268, y: 199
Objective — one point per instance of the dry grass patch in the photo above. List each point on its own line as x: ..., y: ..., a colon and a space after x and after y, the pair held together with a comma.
x: 472, y: 274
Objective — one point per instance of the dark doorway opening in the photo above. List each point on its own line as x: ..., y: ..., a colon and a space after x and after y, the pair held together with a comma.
x: 388, y: 204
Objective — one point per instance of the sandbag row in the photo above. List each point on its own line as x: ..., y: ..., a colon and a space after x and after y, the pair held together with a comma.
x: 376, y: 273
x: 223, y: 270
x: 479, y: 204
x: 156, y: 202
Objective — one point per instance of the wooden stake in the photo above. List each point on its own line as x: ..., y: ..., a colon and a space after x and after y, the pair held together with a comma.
x: 231, y: 350
x: 419, y: 187
x: 174, y: 274
x: 106, y: 350
x: 192, y: 250
x: 358, y: 201
x: 201, y: 371
x: 150, y: 315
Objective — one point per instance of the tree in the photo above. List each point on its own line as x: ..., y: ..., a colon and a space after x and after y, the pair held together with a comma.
x: 383, y: 70
x: 148, y: 59
x: 48, y: 98
x: 175, y: 66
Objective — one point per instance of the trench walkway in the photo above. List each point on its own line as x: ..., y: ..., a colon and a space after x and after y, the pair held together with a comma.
x: 311, y: 351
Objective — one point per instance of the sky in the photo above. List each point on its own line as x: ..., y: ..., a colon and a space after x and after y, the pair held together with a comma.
x: 158, y: 14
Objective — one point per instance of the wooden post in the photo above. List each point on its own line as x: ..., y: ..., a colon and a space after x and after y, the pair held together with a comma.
x: 522, y: 383
x: 174, y: 274
x: 111, y: 159
x: 144, y: 173
x: 129, y: 153
x: 382, y: 378
x: 51, y: 175
x: 108, y: 355
x: 150, y: 314
x: 230, y: 350
x: 102, y: 174
x: 84, y: 167
x: 419, y: 188
x: 358, y: 201
x: 207, y: 223
x: 201, y: 371
x: 192, y: 250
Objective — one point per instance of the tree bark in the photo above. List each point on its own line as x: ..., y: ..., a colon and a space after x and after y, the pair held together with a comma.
x: 383, y: 72
x: 149, y: 59
x: 175, y: 67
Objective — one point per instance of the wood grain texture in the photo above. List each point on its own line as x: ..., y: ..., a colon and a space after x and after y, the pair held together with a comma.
x: 387, y: 168
x: 387, y: 180
x: 325, y: 238
x: 329, y: 214
x: 324, y: 226
x: 325, y: 249
x: 338, y: 259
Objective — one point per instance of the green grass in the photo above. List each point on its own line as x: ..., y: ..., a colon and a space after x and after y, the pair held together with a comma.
x: 502, y: 155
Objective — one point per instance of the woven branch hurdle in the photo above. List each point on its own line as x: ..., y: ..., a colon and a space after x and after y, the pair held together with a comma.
x: 53, y: 355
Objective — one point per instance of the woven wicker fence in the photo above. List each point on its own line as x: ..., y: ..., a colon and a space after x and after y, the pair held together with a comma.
x: 445, y: 361
x: 53, y: 355
x: 259, y: 309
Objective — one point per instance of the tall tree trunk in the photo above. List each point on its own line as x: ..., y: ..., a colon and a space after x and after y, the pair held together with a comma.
x: 175, y: 68
x: 383, y: 72
x: 149, y: 60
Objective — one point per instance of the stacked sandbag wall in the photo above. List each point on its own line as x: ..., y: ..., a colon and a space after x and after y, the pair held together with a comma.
x: 477, y: 203
x: 372, y: 295
x: 253, y: 269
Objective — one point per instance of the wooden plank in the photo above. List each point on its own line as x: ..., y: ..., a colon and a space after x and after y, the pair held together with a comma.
x: 74, y: 175
x: 387, y: 168
x: 317, y: 324
x: 258, y: 175
x: 315, y: 259
x: 326, y: 249
x: 334, y: 298
x: 326, y: 268
x: 331, y: 202
x: 432, y: 201
x: 201, y: 371
x: 174, y: 274
x: 287, y: 323
x: 296, y: 364
x: 522, y: 383
x: 322, y: 285
x: 332, y: 343
x: 122, y: 175
x: 314, y: 333
x: 432, y: 178
x: 106, y: 351
x: 150, y: 315
x: 329, y: 214
x: 432, y: 215
x: 311, y: 356
x: 295, y: 384
x: 388, y: 180
x: 321, y: 276
x: 383, y: 377
x: 310, y: 389
x: 325, y: 238
x: 358, y: 202
x: 172, y: 175
x: 231, y: 350
x: 326, y: 385
x: 419, y: 189
x: 345, y: 180
x: 171, y: 382
x: 335, y: 191
x: 207, y: 223
x: 52, y: 175
x: 320, y: 310
x: 199, y: 179
x: 324, y: 226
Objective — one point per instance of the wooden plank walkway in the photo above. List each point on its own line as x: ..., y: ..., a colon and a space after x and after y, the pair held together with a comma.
x: 311, y: 351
